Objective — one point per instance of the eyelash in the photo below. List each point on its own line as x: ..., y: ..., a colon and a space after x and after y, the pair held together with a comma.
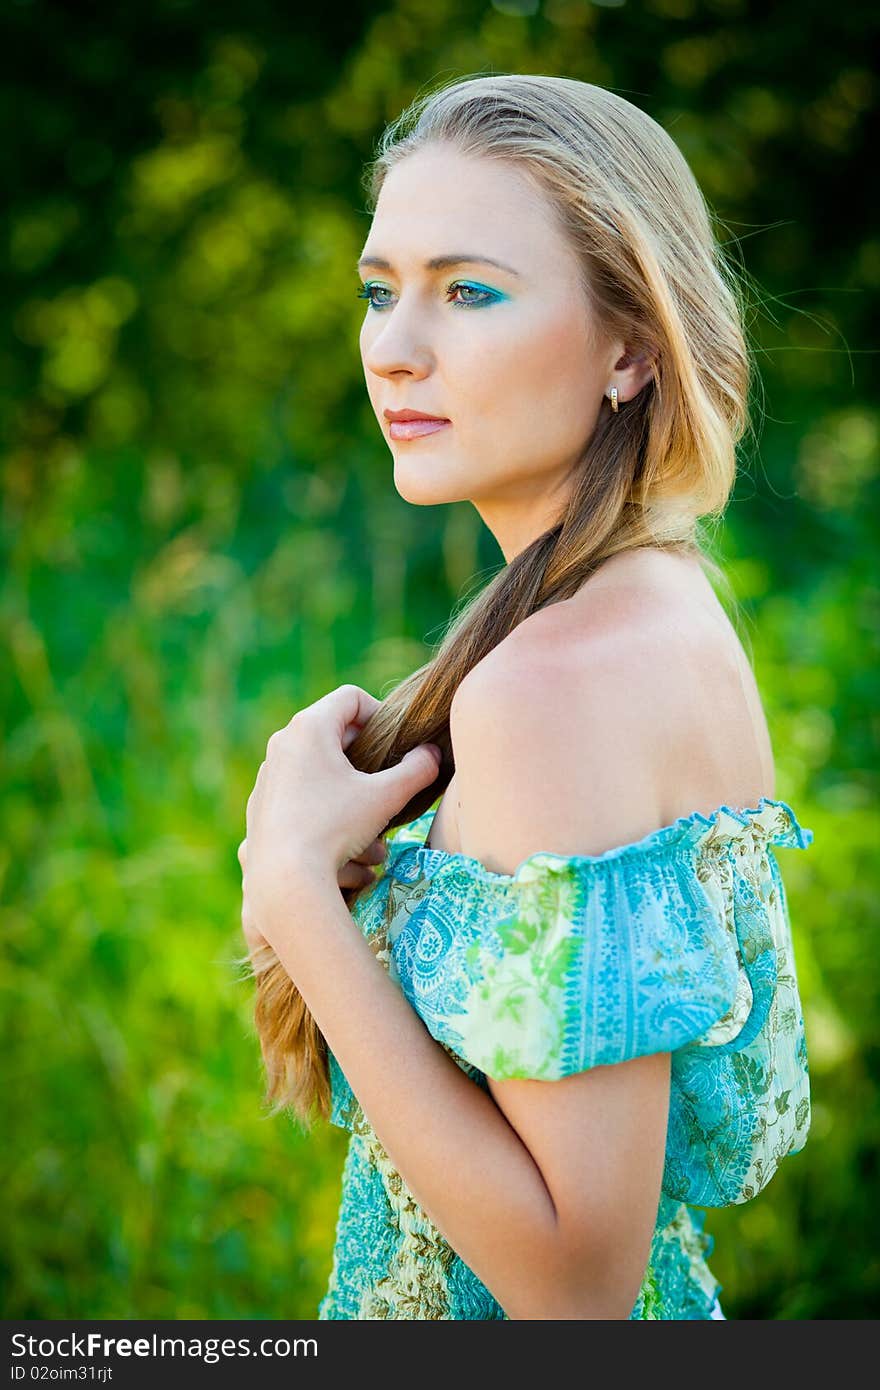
x: 366, y: 293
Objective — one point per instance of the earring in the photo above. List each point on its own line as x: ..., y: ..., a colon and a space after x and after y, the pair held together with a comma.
x: 612, y: 394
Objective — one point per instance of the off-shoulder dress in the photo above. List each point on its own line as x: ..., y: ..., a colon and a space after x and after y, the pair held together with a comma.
x: 678, y: 942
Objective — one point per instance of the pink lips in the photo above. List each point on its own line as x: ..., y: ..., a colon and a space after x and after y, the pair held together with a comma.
x: 411, y: 429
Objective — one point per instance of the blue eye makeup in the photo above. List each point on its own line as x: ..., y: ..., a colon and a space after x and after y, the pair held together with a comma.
x: 487, y: 296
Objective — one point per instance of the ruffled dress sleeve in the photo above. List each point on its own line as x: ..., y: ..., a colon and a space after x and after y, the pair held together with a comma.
x: 679, y: 942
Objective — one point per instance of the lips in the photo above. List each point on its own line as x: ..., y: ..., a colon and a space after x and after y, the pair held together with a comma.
x: 416, y: 427
x: 409, y: 414
x: 410, y: 424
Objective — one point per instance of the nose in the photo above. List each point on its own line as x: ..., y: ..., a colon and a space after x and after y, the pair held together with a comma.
x: 396, y: 341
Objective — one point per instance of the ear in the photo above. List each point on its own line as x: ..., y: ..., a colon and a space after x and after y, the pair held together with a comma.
x: 633, y: 369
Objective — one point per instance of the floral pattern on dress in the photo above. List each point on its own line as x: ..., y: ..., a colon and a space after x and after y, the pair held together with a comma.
x: 680, y: 942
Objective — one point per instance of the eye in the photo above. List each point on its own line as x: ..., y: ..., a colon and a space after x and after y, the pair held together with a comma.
x: 370, y: 291
x: 367, y: 293
x: 458, y: 285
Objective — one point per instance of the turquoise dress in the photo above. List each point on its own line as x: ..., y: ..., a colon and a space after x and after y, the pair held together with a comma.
x: 680, y: 942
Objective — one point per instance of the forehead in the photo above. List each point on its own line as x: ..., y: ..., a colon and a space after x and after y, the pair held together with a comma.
x: 438, y: 199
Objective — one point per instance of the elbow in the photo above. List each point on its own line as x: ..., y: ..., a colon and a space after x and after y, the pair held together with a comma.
x: 601, y: 1301
x: 579, y: 1304
x: 587, y: 1286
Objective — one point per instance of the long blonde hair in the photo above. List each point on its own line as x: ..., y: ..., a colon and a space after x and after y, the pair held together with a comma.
x: 653, y: 275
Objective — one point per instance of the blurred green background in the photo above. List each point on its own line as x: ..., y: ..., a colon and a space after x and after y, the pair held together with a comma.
x: 201, y: 534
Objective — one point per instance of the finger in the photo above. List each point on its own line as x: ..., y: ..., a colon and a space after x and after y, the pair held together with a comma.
x: 329, y: 719
x: 354, y: 875
x: 373, y: 854
x: 418, y: 767
x: 350, y: 735
x: 350, y: 704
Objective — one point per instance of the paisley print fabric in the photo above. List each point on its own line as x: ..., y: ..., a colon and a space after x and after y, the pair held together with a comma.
x: 678, y: 942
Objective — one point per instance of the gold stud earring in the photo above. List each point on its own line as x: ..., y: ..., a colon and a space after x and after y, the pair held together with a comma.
x: 613, y: 398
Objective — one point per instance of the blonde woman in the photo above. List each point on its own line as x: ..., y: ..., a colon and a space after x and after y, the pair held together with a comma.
x: 562, y: 1019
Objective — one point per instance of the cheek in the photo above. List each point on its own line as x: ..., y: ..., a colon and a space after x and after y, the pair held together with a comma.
x: 538, y: 381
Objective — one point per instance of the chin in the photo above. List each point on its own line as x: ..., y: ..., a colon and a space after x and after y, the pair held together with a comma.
x: 423, y: 485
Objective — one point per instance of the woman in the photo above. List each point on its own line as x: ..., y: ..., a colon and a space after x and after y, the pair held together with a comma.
x: 565, y: 1014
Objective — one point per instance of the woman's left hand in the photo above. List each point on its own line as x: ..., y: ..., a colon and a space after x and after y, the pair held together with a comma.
x: 311, y: 811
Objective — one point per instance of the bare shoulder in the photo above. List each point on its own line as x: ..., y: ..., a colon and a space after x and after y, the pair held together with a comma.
x: 597, y: 721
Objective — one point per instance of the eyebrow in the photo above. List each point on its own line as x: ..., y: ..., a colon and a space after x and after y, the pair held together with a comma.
x: 440, y: 262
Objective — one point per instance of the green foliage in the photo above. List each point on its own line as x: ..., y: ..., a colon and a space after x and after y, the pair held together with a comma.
x: 200, y: 535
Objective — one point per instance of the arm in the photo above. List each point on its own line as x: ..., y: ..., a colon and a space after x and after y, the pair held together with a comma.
x: 455, y: 1150
x: 556, y: 1184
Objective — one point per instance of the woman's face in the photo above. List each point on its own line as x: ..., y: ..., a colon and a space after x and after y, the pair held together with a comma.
x: 508, y: 354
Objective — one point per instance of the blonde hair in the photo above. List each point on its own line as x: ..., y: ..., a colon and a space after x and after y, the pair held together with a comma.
x: 653, y: 276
